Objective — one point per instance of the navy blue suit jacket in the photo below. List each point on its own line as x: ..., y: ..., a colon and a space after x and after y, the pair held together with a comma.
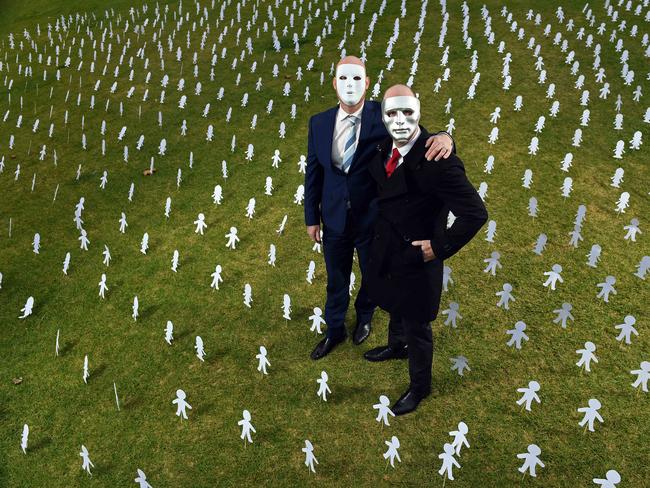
x: 329, y: 192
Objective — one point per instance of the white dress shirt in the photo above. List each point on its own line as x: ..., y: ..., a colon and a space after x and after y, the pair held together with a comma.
x: 342, y: 129
x: 404, y: 150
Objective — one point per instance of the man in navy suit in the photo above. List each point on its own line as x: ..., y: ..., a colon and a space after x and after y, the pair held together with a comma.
x: 339, y: 191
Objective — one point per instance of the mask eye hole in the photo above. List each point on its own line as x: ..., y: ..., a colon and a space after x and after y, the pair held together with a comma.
x: 408, y: 112
x: 391, y: 113
x: 343, y: 77
x: 357, y: 78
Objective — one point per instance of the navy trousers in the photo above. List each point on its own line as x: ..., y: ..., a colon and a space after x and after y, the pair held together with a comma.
x: 338, y: 250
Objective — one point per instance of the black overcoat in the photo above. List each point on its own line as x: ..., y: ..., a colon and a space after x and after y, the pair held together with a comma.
x: 413, y: 204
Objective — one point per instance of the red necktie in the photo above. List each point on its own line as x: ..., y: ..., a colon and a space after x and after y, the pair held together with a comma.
x: 392, y: 162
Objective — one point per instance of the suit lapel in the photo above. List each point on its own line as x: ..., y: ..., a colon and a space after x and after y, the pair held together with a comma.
x: 418, y: 150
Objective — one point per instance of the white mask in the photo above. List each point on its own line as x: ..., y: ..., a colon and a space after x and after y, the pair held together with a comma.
x: 401, y: 116
x: 350, y: 83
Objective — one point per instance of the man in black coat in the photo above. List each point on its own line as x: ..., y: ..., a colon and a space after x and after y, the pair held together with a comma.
x: 411, y: 240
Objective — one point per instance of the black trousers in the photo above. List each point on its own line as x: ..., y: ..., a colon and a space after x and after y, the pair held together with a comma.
x: 417, y: 336
x: 339, y: 251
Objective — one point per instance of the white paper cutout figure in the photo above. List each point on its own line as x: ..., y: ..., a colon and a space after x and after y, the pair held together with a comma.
x: 276, y: 159
x: 643, y: 267
x: 459, y: 436
x: 316, y: 320
x: 448, y: 461
x: 446, y: 278
x: 28, y: 308
x: 200, y: 351
x: 517, y: 334
x: 86, y: 374
x: 83, y: 239
x: 623, y: 202
x: 540, y: 244
x: 643, y: 375
x: 282, y: 225
x: 144, y: 245
x: 248, y: 295
x: 246, y: 427
x: 175, y: 261
x: 268, y: 186
x: 168, y: 206
x: 232, y: 238
x: 593, y: 256
x: 323, y: 389
x: 200, y: 224
x: 24, y: 438
x: 612, y: 478
x: 563, y: 314
x: 271, y: 255
x: 136, y: 306
x: 286, y: 307
x: 531, y: 460
x: 492, y: 263
x: 142, y: 479
x: 56, y: 344
x: 490, y: 231
x: 627, y: 329
x: 216, y: 277
x: 452, y: 314
x: 217, y: 194
x: 263, y: 362
x: 460, y: 364
x: 383, y: 410
x: 632, y: 230
x: 391, y: 453
x: 586, y: 356
x: 86, y: 462
x: 107, y: 255
x: 553, y: 276
x: 181, y: 404
x: 102, y: 286
x: 606, y: 288
x: 505, y: 296
x: 590, y: 414
x: 529, y: 394
x: 310, y: 459
x: 169, y: 332
x: 123, y: 223
x: 311, y: 270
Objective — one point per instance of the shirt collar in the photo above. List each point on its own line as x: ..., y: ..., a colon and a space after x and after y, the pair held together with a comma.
x: 342, y: 114
x: 404, y: 150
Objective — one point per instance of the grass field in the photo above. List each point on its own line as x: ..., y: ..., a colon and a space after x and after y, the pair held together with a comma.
x: 63, y: 413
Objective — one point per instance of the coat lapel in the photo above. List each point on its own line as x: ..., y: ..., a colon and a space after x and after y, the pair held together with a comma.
x: 327, y: 133
x: 418, y: 150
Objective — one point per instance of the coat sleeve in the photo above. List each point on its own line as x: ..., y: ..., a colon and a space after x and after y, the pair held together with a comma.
x: 313, y: 182
x: 458, y: 194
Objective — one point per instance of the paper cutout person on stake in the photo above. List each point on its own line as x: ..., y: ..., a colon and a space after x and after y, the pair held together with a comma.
x: 529, y: 395
x: 181, y: 404
x: 612, y: 478
x: 246, y: 427
x: 448, y: 462
x: 28, y: 308
x: 86, y: 462
x: 391, y: 453
x: 531, y: 460
x: 23, y: 439
x: 590, y: 414
x: 323, y: 388
x: 262, y: 361
x: 310, y: 459
x: 142, y: 479
x: 459, y: 436
x: 643, y: 375
x: 383, y: 410
x: 586, y: 356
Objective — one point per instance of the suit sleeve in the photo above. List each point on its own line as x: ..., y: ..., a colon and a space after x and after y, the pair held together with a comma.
x: 461, y: 198
x: 313, y: 182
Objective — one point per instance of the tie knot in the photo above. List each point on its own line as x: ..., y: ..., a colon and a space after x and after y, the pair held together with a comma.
x: 396, y: 154
x: 352, y: 119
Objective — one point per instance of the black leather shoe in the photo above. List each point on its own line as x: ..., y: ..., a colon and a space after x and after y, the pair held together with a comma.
x: 384, y: 353
x: 408, y: 402
x: 361, y: 333
x: 325, y: 346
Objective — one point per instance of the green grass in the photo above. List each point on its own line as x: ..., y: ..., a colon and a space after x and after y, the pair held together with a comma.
x: 206, y: 450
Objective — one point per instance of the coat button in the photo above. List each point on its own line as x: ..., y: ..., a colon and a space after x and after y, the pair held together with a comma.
x: 407, y: 239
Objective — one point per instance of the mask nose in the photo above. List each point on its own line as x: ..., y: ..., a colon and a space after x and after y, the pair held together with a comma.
x: 400, y: 119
